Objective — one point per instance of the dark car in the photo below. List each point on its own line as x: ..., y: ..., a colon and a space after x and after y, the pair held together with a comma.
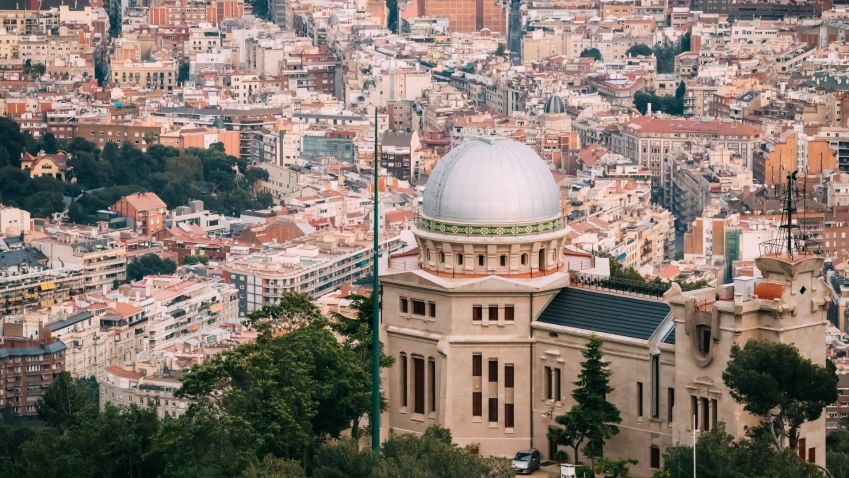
x: 526, y: 461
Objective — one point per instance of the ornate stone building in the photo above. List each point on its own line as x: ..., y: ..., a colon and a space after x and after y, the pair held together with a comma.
x: 487, y: 324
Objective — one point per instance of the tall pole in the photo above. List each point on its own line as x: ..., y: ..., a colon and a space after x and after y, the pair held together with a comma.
x: 695, y: 431
x: 375, y: 316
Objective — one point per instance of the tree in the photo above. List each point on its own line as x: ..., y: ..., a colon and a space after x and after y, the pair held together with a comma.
x: 149, y: 264
x: 189, y: 260
x: 615, y: 468
x: 639, y: 49
x: 680, y: 91
x: 779, y: 386
x: 69, y: 400
x: 500, y: 50
x: 591, y: 53
x: 273, y: 467
x: 592, y: 420
x: 672, y: 105
x: 719, y: 455
x: 292, y: 391
x: 837, y: 453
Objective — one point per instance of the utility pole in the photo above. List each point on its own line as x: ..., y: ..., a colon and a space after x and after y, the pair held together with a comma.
x: 375, y: 303
x: 695, y: 432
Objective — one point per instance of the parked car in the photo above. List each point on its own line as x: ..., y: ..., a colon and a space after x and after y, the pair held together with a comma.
x: 526, y: 461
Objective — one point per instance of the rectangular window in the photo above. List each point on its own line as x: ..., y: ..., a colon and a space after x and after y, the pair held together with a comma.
x: 654, y: 456
x: 705, y: 415
x: 655, y: 386
x: 508, y: 375
x: 508, y: 415
x: 405, y: 305
x: 713, y: 408
x: 670, y: 403
x: 502, y: 261
x: 493, y: 371
x: 639, y: 399
x: 480, y: 260
x: 418, y: 307
x: 477, y: 313
x: 477, y: 404
x: 802, y: 447
x: 403, y: 364
x: 549, y: 393
x: 431, y: 365
x: 694, y: 411
x: 509, y: 313
x: 812, y: 455
x: 418, y: 385
x: 493, y: 409
x: 493, y: 313
x: 431, y: 309
x: 557, y: 395
x: 477, y: 365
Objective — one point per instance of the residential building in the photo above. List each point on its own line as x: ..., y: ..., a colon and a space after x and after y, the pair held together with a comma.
x: 146, y: 211
x: 27, y: 369
x: 43, y: 164
x: 102, y: 260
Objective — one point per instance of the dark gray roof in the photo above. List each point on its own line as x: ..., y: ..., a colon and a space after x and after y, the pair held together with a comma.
x: 71, y: 320
x: 17, y: 257
x: 396, y: 139
x: 670, y: 339
x: 605, y: 313
x: 32, y: 350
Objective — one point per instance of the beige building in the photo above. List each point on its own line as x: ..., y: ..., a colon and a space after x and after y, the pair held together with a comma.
x: 487, y: 325
x: 154, y: 75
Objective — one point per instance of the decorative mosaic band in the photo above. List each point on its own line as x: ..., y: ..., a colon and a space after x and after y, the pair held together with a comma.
x: 484, y: 230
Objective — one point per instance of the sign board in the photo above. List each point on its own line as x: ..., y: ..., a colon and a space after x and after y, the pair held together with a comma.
x: 568, y: 471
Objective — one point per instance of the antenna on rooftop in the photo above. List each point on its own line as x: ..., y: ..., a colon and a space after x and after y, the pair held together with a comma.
x: 790, y: 240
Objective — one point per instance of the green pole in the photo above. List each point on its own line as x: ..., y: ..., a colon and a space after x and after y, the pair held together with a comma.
x: 375, y: 303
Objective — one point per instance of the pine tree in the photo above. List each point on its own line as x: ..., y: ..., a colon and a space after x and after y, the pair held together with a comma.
x: 593, y: 419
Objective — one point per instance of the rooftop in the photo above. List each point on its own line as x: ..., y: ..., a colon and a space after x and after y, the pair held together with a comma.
x: 606, y: 313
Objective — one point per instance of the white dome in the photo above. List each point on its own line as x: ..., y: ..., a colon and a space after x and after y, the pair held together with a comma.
x: 491, y: 181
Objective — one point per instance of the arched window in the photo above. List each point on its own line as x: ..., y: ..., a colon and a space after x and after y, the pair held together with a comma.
x: 524, y: 259
x: 441, y: 257
x: 481, y: 260
x: 703, y: 335
x: 542, y: 259
x: 460, y: 259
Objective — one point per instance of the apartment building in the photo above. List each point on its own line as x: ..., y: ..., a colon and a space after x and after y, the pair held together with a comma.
x: 27, y: 282
x: 153, y: 75
x: 27, y: 369
x: 102, y: 259
x: 316, y: 266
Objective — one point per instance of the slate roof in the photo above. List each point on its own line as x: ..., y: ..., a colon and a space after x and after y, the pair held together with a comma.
x: 71, y: 320
x: 606, y: 313
x: 32, y: 350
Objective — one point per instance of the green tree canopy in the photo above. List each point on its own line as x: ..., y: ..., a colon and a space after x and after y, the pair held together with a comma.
x: 639, y: 49
x: 719, y: 455
x: 292, y: 391
x: 149, y: 264
x: 775, y: 383
x: 591, y: 53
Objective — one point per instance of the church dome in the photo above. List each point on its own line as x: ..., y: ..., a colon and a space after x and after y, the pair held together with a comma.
x: 555, y: 105
x: 491, y: 181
